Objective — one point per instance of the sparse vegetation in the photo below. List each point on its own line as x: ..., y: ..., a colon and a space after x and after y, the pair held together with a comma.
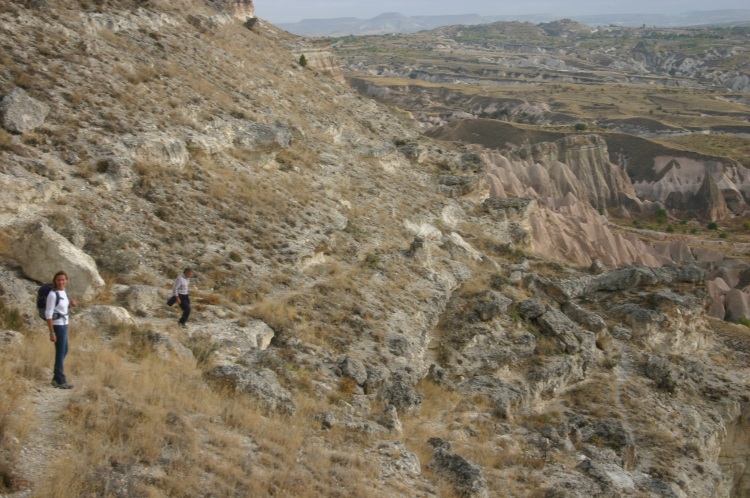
x: 284, y: 192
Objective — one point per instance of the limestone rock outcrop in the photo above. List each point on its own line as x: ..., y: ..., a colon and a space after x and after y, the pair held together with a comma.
x: 21, y: 113
x: 466, y: 477
x: 321, y: 57
x: 240, y: 9
x: 263, y: 386
x: 42, y: 252
x: 105, y: 318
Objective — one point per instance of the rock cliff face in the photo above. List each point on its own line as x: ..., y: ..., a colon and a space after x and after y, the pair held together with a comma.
x: 708, y: 200
x: 320, y: 57
x: 239, y: 9
x: 579, y: 165
x: 705, y: 187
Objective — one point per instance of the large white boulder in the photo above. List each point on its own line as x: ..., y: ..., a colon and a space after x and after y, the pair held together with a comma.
x: 42, y: 252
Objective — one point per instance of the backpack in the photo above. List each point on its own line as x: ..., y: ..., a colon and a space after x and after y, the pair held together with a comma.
x: 41, y: 301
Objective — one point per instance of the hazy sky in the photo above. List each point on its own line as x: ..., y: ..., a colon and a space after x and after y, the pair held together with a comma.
x: 280, y: 11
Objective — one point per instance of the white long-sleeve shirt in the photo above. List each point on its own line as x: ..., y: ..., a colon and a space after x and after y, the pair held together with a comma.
x: 181, y: 284
x: 61, y: 307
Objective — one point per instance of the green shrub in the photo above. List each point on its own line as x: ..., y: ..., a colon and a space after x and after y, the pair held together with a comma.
x: 661, y: 216
x: 303, y: 60
x: 712, y: 226
x: 372, y: 260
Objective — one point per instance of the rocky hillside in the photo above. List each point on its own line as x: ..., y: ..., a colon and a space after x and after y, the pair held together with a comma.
x: 376, y: 313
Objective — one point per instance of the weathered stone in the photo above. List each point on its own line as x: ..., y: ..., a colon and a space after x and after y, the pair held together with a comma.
x: 413, y: 150
x: 491, y: 305
x: 104, y: 318
x: 597, y: 267
x: 396, y: 461
x: 621, y: 333
x: 21, y: 113
x: 531, y: 308
x: 638, y: 318
x: 163, y: 345
x: 400, y: 394
x: 505, y: 397
x: 249, y: 135
x: 505, y: 209
x: 692, y: 273
x: 377, y: 378
x: 354, y: 369
x: 240, y: 9
x: 43, y: 252
x: 143, y: 299
x: 321, y: 57
x: 612, y: 479
x: 466, y: 477
x: 457, y: 186
x: 558, y: 325
x: 584, y: 318
x: 262, y: 385
x: 389, y: 419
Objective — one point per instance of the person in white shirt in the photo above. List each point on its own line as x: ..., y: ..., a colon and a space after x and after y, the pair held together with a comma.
x: 56, y: 314
x: 181, y: 294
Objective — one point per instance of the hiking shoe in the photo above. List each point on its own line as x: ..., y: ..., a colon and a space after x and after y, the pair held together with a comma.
x: 182, y: 325
x: 61, y: 386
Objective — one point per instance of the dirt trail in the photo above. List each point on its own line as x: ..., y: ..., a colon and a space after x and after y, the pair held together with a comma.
x: 40, y: 447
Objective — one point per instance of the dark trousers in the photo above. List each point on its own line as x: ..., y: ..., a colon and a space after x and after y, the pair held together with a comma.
x: 61, y: 351
x: 185, y: 305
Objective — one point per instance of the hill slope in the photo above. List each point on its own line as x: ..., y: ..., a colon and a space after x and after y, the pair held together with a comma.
x: 368, y: 321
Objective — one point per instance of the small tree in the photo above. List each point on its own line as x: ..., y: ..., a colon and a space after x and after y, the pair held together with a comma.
x: 302, y: 60
x: 661, y: 216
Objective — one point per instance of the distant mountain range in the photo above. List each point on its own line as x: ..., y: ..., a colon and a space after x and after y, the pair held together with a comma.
x: 394, y: 22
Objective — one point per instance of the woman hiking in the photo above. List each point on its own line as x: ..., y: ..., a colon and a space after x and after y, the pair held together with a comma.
x: 56, y: 314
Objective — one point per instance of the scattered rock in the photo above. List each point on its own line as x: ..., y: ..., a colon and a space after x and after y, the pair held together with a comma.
x: 263, y: 386
x: 354, y: 369
x: 467, y: 478
x: 20, y: 113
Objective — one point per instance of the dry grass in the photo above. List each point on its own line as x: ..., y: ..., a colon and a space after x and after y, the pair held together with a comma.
x: 20, y: 365
x: 134, y: 413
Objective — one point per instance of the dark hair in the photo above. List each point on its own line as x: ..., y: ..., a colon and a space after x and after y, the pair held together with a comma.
x: 187, y: 270
x: 54, y: 284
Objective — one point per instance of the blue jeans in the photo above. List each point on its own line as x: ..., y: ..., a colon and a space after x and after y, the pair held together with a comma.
x: 185, y: 305
x: 61, y: 351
